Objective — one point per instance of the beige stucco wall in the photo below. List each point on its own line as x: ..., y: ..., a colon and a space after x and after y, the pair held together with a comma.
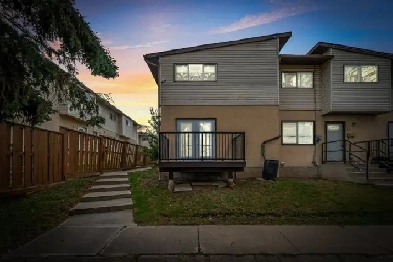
x: 259, y: 122
x: 264, y: 122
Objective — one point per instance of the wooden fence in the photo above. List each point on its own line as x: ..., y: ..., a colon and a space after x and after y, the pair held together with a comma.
x: 32, y: 158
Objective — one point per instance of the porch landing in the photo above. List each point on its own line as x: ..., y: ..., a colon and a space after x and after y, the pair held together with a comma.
x: 201, y: 166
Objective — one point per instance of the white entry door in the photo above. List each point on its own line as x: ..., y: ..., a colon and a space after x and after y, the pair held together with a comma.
x: 198, y: 139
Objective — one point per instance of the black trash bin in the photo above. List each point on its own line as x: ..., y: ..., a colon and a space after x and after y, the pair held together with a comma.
x: 270, y: 169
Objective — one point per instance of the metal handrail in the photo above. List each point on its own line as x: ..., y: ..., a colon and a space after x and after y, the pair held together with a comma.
x: 220, y: 146
x: 351, y: 153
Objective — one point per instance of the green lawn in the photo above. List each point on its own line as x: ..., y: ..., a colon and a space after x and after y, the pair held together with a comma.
x: 287, y: 201
x: 23, y: 219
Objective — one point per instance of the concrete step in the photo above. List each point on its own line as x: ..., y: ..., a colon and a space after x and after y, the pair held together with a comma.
x: 384, y: 185
x: 103, y: 196
x: 110, y: 188
x: 373, y: 177
x: 114, y: 175
x: 111, y: 181
x: 101, y: 206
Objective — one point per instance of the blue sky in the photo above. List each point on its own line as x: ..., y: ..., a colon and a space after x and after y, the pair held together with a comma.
x: 131, y: 28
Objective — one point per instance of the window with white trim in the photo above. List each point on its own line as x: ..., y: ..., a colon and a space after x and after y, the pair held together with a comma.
x: 297, y: 132
x: 360, y: 73
x: 297, y: 79
x: 195, y: 72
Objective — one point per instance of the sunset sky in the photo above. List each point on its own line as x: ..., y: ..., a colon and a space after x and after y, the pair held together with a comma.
x: 132, y: 28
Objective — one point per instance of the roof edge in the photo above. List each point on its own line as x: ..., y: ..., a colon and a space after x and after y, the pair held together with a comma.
x: 349, y: 49
x: 218, y: 45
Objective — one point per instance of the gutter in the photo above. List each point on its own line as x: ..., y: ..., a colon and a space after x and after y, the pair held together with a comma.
x: 147, y: 61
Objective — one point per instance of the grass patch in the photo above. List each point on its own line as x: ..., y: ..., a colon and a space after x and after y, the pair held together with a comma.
x: 24, y: 219
x: 287, y: 201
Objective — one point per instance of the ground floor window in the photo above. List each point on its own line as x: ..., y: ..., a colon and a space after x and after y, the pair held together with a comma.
x: 297, y: 132
x: 196, y: 139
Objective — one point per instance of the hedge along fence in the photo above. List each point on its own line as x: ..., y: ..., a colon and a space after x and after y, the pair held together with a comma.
x: 33, y: 158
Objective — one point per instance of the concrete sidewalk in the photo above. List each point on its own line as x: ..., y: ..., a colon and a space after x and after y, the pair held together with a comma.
x: 74, y: 239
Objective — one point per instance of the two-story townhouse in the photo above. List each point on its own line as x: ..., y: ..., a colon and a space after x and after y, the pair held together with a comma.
x: 142, y: 136
x: 228, y: 106
x: 117, y: 124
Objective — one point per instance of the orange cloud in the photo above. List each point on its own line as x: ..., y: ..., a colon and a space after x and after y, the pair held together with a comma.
x: 285, y: 9
x: 128, y: 82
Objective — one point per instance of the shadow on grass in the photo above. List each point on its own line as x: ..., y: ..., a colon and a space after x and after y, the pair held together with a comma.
x: 287, y: 201
x: 24, y: 219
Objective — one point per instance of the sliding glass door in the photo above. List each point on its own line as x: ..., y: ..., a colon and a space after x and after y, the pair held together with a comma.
x: 198, y: 140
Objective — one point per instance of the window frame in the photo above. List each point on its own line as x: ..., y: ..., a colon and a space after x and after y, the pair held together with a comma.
x: 195, y: 147
x: 297, y: 132
x: 360, y: 78
x: 297, y: 74
x: 194, y: 81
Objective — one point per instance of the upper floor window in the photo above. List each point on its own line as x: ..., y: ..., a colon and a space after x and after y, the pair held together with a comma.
x: 297, y: 79
x: 360, y: 73
x: 195, y: 72
x: 110, y: 116
x: 128, y: 123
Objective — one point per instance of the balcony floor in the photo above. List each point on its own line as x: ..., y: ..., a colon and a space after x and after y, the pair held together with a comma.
x: 201, y: 165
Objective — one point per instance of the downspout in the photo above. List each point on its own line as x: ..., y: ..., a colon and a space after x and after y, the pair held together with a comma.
x: 315, y: 159
x: 263, y: 145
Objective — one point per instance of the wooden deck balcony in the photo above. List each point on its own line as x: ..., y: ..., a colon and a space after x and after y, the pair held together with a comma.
x: 202, y: 151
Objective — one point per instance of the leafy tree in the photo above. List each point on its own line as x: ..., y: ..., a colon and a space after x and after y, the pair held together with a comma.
x: 152, y: 134
x: 35, y: 73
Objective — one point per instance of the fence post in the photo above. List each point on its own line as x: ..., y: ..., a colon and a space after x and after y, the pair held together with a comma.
x: 64, y: 132
x: 100, y: 154
x: 136, y: 155
x: 123, y: 155
x: 144, y: 158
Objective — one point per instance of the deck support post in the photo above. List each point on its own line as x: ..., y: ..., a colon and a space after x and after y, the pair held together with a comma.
x: 230, y: 182
x: 171, y: 184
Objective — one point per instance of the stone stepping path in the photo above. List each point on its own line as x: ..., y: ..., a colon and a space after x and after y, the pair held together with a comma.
x: 111, y: 193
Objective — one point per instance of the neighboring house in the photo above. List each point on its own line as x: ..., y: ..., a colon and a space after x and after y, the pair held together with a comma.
x: 117, y: 124
x: 228, y: 106
x: 143, y: 139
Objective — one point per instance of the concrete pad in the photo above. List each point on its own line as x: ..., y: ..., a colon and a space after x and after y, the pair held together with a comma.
x: 114, y: 175
x: 103, y: 196
x: 154, y: 240
x: 328, y: 240
x: 101, y: 206
x: 311, y: 258
x: 379, y: 235
x: 139, y: 169
x: 182, y: 187
x: 228, y: 258
x: 108, y: 188
x: 111, y: 181
x: 357, y: 258
x: 68, y: 241
x: 243, y: 239
x: 266, y: 258
x: 121, y: 218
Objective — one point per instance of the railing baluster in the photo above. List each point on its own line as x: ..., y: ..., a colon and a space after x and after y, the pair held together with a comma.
x: 201, y: 146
